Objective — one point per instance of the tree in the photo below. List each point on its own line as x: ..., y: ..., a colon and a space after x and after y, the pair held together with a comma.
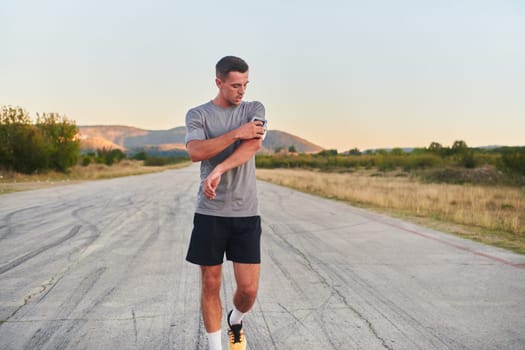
x: 459, y: 147
x: 354, y: 152
x: 291, y: 149
x: 16, y: 139
x: 61, y: 139
x: 435, y: 147
x: 397, y: 151
x: 463, y: 154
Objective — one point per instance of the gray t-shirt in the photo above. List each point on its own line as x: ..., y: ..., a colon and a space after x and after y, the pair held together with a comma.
x: 236, y: 195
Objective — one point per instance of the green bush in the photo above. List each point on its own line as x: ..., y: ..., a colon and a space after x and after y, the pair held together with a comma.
x: 109, y: 156
x: 513, y: 160
x: 50, y: 143
x: 60, y: 141
x: 86, y: 160
x: 422, y: 161
x: 140, y: 156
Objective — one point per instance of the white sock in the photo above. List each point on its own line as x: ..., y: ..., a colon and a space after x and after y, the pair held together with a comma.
x: 214, y: 340
x: 236, y: 316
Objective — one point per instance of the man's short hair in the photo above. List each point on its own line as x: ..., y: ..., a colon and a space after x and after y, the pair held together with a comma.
x: 230, y: 64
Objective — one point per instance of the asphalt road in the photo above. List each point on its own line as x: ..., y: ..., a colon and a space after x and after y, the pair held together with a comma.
x: 100, y: 265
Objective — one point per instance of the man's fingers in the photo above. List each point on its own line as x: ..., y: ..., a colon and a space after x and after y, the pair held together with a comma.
x: 252, y: 130
x: 209, y: 194
x: 208, y: 189
x: 259, y: 130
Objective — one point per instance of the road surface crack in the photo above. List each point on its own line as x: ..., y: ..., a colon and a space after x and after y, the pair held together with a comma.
x: 134, y: 324
x: 323, y: 279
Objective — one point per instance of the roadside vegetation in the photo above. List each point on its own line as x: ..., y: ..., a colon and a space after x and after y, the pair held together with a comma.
x: 458, y: 164
x: 475, y: 193
x: 46, y: 152
x: 49, y: 143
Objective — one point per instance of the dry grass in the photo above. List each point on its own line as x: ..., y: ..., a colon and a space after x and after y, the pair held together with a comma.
x: 494, y: 215
x: 12, y: 182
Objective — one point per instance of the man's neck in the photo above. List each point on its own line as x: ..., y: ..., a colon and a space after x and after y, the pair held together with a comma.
x: 219, y: 102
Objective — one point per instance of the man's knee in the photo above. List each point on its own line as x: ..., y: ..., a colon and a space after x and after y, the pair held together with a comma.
x: 247, y: 292
x: 211, y: 279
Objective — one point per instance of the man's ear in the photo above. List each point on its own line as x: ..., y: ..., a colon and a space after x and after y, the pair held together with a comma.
x: 218, y: 82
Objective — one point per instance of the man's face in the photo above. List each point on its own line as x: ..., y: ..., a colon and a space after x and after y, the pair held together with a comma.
x: 233, y: 87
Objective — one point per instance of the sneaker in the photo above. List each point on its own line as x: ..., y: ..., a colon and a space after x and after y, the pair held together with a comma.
x: 236, y: 335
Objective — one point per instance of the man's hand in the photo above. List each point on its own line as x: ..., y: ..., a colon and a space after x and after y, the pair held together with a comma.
x: 252, y: 130
x: 210, y: 184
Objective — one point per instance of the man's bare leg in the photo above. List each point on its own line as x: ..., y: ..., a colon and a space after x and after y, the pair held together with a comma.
x: 247, y: 278
x: 211, y: 298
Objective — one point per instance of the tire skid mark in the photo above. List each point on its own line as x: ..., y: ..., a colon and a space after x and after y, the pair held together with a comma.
x: 20, y: 260
x: 49, y: 284
x: 64, y: 344
x: 45, y: 333
x: 69, y: 319
x: 52, y: 328
x: 147, y: 242
x: 99, y: 239
x: 8, y: 218
x: 41, y: 216
x: 106, y: 218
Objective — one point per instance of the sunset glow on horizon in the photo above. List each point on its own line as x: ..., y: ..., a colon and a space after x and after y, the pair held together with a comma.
x: 341, y: 74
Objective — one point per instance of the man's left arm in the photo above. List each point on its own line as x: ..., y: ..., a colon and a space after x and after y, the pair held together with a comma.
x: 241, y: 155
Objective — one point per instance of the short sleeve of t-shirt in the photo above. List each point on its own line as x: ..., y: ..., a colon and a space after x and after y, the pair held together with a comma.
x: 194, y: 126
x: 256, y: 110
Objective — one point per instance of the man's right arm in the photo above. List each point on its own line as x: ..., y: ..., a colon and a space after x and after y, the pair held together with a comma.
x: 205, y: 149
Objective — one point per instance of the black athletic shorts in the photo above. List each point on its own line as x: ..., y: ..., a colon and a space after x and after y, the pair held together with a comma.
x: 212, y: 236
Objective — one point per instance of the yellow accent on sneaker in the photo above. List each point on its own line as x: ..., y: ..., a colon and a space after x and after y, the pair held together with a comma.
x: 236, y: 337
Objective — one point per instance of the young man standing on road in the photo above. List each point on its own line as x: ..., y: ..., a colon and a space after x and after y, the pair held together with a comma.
x: 223, y: 137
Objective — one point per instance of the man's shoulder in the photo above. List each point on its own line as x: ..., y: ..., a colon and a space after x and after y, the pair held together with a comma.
x: 254, y: 104
x: 255, y: 107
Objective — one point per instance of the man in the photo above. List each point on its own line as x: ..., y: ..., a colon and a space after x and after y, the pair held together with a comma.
x: 223, y: 137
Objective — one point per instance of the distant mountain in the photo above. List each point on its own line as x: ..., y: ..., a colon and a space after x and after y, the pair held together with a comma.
x: 166, y: 142
x: 277, y: 139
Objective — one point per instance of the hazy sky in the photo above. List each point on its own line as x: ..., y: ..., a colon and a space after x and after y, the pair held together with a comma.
x: 341, y: 74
